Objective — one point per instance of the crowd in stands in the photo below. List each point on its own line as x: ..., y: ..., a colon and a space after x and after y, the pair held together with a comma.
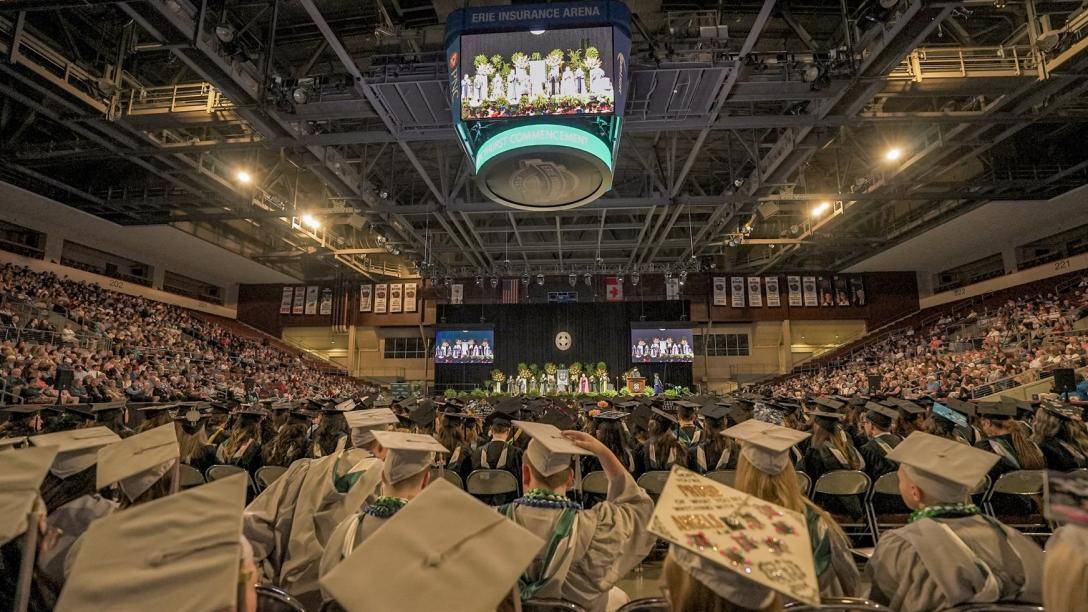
x: 965, y: 355
x: 127, y: 347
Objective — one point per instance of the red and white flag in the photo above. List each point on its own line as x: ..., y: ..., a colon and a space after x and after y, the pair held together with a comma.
x: 613, y: 289
x: 509, y: 291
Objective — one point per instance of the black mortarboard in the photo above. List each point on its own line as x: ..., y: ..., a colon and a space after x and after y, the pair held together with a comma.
x: 687, y: 404
x: 610, y: 415
x: 1068, y: 412
x: 666, y: 415
x: 82, y: 411
x: 832, y: 416
x: 739, y: 415
x: 995, y: 410
x: 423, y: 413
x: 878, y: 415
x: 155, y: 408
x: 960, y: 406
x: 715, y: 411
x: 557, y: 416
x: 827, y: 402
x: 640, y: 416
x: 30, y: 408
x: 908, y: 407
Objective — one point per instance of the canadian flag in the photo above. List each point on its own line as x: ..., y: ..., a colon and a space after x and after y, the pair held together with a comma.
x: 613, y: 289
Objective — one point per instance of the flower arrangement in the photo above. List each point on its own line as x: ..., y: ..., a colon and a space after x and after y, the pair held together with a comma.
x: 549, y: 369
x: 497, y: 375
x: 524, y: 371
x: 575, y: 370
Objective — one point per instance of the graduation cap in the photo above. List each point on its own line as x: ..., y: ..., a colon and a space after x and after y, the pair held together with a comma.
x: 29, y: 408
x: 77, y: 449
x: 104, y: 407
x: 1020, y: 405
x: 219, y: 408
x: 139, y: 461
x: 827, y: 402
x: 666, y: 415
x: 946, y: 470
x: 423, y: 558
x: 407, y: 453
x: 1067, y: 497
x: 21, y: 474
x: 281, y: 406
x: 832, y: 416
x: 766, y: 446
x: 687, y: 404
x: 558, y: 417
x: 82, y: 411
x: 908, y: 407
x: 881, y: 416
x: 628, y: 405
x: 640, y: 416
x: 715, y: 411
x: 1064, y: 411
x: 549, y: 452
x: 787, y: 406
x: 153, y: 409
x: 965, y: 408
x: 423, y: 413
x: 610, y: 415
x: 709, y: 552
x: 12, y: 442
x: 383, y: 401
x: 151, y: 556
x: 946, y: 413
x: 998, y: 410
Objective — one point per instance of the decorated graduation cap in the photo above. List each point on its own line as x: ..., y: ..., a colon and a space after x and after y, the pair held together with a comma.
x: 765, y: 445
x: 549, y: 452
x: 878, y: 415
x: 944, y: 412
x: 21, y: 474
x: 610, y: 415
x: 77, y: 449
x: 1067, y: 412
x: 423, y: 558
x: 180, y: 553
x: 1067, y: 497
x: 742, y: 548
x: 944, y: 469
x: 408, y: 453
x: 137, y: 462
x: 189, y: 413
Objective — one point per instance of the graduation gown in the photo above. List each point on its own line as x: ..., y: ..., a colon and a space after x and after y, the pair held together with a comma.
x: 248, y: 457
x: 72, y: 519
x: 689, y: 436
x: 705, y: 459
x: 203, y: 458
x: 348, y: 535
x: 921, y: 567
x: 818, y: 461
x: 290, y: 521
x: 498, y: 455
x: 606, y: 542
x: 1062, y: 456
x: 836, y: 570
x: 875, y: 452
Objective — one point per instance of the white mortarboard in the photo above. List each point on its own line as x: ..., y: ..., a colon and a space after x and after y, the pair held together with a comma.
x: 739, y: 546
x: 409, y: 453
x: 179, y: 553
x: 363, y: 422
x: 77, y: 448
x: 21, y: 474
x: 11, y: 443
x: 346, y: 405
x: 549, y: 452
x: 766, y: 446
x: 944, y: 469
x: 426, y: 562
x: 137, y: 462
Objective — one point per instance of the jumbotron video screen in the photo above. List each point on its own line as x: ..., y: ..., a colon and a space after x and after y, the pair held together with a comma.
x: 662, y: 345
x: 464, y: 346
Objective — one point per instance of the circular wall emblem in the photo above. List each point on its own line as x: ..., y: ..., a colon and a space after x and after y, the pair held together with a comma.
x: 562, y: 341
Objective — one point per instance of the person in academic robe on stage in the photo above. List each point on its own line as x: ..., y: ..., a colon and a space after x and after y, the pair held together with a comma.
x: 583, y: 383
x: 193, y: 439
x: 406, y: 471
x: 290, y: 521
x: 765, y: 470
x: 950, y: 553
x: 593, y: 548
x: 659, y: 387
x: 1060, y: 435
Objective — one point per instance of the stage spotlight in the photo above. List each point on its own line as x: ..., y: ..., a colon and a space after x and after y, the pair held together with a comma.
x: 573, y: 278
x: 540, y: 279
x: 479, y: 281
x: 634, y: 279
x: 588, y: 278
x: 683, y: 276
x: 300, y: 95
x: 310, y: 221
x: 811, y: 73
x: 243, y: 177
x: 619, y: 279
x: 525, y: 280
x: 225, y: 32
x: 820, y: 209
x: 494, y: 282
x: 893, y: 154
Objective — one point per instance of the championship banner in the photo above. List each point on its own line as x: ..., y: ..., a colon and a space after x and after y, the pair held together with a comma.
x: 457, y: 293
x: 396, y: 297
x: 300, y: 301
x: 774, y: 299
x: 794, y: 285
x: 326, y: 302
x: 809, y: 284
x: 381, y: 294
x: 409, y: 297
x: 857, y: 290
x: 737, y: 287
x: 721, y: 291
x: 672, y: 289
x: 755, y: 292
x: 311, y: 300
x: 285, y: 302
x: 366, y: 298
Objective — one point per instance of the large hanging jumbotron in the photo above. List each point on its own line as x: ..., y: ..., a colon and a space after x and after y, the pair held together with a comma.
x: 537, y: 97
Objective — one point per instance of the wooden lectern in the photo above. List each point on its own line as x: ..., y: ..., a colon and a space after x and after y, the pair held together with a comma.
x: 636, y: 385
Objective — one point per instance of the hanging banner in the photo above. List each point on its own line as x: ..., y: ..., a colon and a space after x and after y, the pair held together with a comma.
x: 366, y: 298
x: 827, y: 294
x: 672, y: 288
x: 300, y: 301
x: 809, y: 284
x: 396, y: 297
x: 457, y: 293
x: 311, y: 300
x: 381, y: 294
x: 842, y: 291
x: 774, y: 300
x: 409, y: 297
x: 326, y: 302
x: 755, y: 292
x: 857, y: 290
x: 721, y: 291
x: 285, y: 301
x: 793, y: 283
x: 737, y: 288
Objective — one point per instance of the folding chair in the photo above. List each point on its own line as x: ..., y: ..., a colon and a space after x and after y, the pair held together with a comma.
x: 267, y: 475
x: 453, y: 477
x: 804, y: 482
x: 845, y: 487
x: 549, y: 605
x: 1026, y: 485
x: 842, y: 604
x: 271, y: 599
x: 978, y: 494
x: 491, y: 484
x: 1000, y: 606
x: 216, y: 472
x: 725, y: 477
x: 654, y: 482
x: 646, y: 604
x: 189, y: 476
x: 594, y: 488
x: 887, y: 487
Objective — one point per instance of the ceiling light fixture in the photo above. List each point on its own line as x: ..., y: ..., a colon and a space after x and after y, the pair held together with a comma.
x: 243, y: 177
x: 310, y: 221
x: 893, y: 154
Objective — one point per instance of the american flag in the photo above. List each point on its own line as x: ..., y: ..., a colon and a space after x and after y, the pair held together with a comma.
x: 509, y: 291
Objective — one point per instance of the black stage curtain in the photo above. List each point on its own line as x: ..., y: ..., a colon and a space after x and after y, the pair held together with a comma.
x: 526, y: 333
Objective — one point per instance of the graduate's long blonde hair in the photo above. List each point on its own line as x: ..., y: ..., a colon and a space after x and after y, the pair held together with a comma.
x: 781, y: 489
x: 686, y: 594
x: 1065, y: 575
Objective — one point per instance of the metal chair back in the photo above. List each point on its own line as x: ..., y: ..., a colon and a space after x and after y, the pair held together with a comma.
x: 725, y: 477
x: 999, y: 606
x: 595, y: 483
x: 654, y: 482
x: 491, y: 482
x: 189, y: 476
x: 267, y: 475
x: 841, y: 604
x: 842, y: 482
x: 272, y: 599
x: 216, y: 472
x: 550, y: 605
x: 646, y: 604
x: 804, y: 482
x: 453, y: 477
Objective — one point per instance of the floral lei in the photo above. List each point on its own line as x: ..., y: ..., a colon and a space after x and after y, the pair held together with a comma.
x: 544, y: 498
x: 385, y: 507
x: 958, y: 510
